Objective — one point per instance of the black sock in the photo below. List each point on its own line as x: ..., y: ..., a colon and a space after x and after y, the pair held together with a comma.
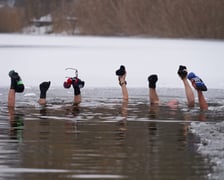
x: 152, y: 81
x: 77, y: 91
x: 44, y: 86
x: 43, y: 94
x: 152, y: 85
x: 13, y: 83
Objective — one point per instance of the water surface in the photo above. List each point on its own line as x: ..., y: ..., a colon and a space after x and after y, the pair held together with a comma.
x: 104, y: 137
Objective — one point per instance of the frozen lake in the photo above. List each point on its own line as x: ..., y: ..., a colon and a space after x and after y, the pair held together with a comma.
x: 105, y: 138
x: 39, y: 58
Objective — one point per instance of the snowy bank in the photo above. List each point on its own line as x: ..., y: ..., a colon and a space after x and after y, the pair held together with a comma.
x: 211, y: 144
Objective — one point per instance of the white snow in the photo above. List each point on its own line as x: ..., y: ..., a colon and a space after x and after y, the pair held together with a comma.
x: 39, y: 58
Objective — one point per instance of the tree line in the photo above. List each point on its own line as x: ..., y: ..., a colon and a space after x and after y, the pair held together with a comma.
x: 149, y: 18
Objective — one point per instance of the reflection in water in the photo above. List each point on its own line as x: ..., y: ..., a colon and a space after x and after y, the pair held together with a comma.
x: 16, y: 122
x: 153, y: 111
x: 123, y: 122
x: 107, y: 139
x: 72, y: 126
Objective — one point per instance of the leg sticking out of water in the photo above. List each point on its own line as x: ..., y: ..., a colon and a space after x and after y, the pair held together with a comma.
x: 182, y: 72
x: 44, y: 86
x: 199, y: 85
x: 16, y: 86
x: 154, y: 99
x: 77, y: 85
x: 121, y: 73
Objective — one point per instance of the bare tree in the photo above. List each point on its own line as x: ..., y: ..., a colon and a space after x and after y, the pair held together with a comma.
x: 153, y: 18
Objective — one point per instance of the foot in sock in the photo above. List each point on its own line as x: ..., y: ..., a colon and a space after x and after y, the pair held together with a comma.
x: 197, y: 82
x: 16, y: 81
x: 182, y: 72
x: 14, y: 75
x: 77, y: 84
x: 152, y: 81
x: 44, y: 86
x: 14, y: 78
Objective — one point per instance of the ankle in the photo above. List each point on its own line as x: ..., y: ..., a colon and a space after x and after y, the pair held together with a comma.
x: 122, y: 83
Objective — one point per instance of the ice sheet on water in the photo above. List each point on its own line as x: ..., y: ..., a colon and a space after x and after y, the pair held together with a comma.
x: 211, y: 144
x: 30, y: 94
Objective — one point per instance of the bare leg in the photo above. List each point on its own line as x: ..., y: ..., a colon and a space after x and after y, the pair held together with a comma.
x: 202, y: 102
x: 182, y: 72
x: 153, y: 110
x: 123, y: 84
x: 42, y: 101
x: 201, y: 99
x: 124, y: 113
x: 11, y: 98
x: 11, y: 113
x: 77, y: 99
x: 121, y: 73
x: 199, y: 85
x: 154, y: 99
x: 189, y: 93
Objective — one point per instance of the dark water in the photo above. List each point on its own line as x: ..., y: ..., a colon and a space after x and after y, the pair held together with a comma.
x: 103, y: 138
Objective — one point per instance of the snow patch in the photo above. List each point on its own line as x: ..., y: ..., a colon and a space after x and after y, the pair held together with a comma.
x: 211, y: 144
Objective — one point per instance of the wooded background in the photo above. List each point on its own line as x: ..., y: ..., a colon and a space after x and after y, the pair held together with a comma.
x: 149, y: 18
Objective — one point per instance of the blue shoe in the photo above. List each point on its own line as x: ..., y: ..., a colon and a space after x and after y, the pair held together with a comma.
x: 198, y: 82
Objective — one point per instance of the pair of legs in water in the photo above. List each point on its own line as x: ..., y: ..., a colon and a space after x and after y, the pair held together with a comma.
x: 18, y: 87
x: 196, y: 82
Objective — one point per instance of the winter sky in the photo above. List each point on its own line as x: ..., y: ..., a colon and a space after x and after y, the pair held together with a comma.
x: 43, y: 58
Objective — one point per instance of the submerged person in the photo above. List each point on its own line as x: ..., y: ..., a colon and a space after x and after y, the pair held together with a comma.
x: 77, y: 84
x: 153, y: 97
x: 17, y: 86
x: 121, y: 73
x: 44, y: 86
x: 197, y: 83
x: 15, y: 120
